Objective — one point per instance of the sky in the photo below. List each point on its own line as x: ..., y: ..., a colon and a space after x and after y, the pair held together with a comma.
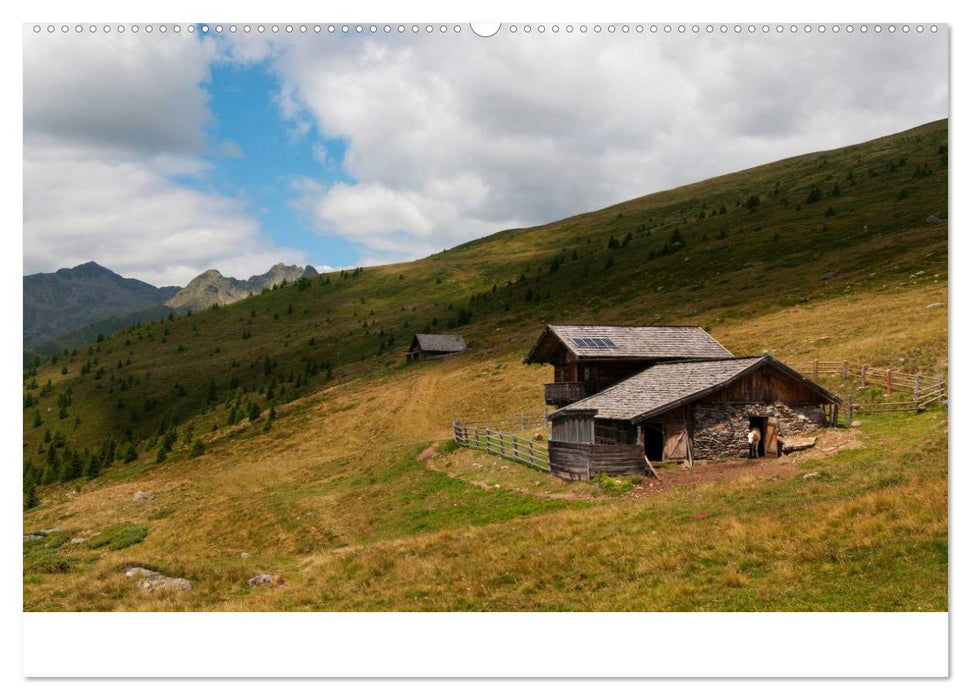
x: 163, y: 155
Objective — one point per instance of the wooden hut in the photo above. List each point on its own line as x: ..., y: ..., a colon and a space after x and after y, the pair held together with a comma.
x: 686, y: 410
x: 589, y: 359
x: 428, y: 347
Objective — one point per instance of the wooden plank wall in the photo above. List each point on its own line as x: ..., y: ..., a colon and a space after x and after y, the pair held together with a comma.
x: 766, y: 385
x: 574, y: 429
x: 580, y: 462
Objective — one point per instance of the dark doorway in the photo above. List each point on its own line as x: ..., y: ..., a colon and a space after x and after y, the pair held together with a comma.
x: 760, y: 422
x: 654, y: 441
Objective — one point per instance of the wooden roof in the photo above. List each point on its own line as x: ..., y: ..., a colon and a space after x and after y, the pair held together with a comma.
x: 669, y: 385
x: 627, y: 343
x: 440, y: 343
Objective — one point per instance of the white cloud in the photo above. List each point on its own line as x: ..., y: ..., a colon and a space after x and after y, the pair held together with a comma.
x: 114, y: 133
x: 143, y: 92
x: 85, y: 203
x: 452, y: 137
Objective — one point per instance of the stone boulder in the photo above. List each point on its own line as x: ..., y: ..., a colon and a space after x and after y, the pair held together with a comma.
x: 143, y: 496
x: 164, y: 583
x: 265, y: 580
x: 149, y: 580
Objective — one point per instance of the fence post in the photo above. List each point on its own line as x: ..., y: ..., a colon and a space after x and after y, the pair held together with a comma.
x: 889, y: 381
x: 815, y: 369
x: 849, y: 411
x: 917, y: 387
x: 845, y: 369
x: 863, y: 375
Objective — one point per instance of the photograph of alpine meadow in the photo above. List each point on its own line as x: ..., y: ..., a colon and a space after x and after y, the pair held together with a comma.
x: 419, y: 317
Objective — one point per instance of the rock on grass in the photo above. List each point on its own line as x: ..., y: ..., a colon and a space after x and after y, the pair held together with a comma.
x: 149, y: 580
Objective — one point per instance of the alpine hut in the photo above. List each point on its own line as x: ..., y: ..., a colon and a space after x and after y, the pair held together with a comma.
x: 682, y: 406
x: 427, y: 347
x: 588, y: 359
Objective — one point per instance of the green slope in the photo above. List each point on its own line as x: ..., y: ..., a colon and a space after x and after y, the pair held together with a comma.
x: 799, y: 231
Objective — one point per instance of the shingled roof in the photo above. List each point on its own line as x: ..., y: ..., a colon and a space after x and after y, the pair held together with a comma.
x: 671, y: 384
x: 627, y: 342
x: 440, y: 343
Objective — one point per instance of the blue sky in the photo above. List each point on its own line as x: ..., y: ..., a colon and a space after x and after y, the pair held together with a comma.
x: 163, y: 155
x: 272, y: 153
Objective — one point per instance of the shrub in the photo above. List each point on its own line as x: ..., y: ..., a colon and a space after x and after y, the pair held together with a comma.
x: 30, y: 496
x: 198, y: 449
x: 119, y: 537
x: 47, y: 561
x: 128, y: 453
x: 612, y: 485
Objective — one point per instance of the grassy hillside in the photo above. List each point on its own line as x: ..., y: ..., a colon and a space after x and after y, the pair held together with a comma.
x: 827, y: 255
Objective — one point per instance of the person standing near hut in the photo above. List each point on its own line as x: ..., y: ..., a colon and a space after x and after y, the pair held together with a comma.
x: 754, y: 438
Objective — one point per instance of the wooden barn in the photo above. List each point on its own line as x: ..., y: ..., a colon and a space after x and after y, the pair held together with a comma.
x: 676, y: 411
x: 428, y: 347
x: 588, y: 359
x: 659, y: 394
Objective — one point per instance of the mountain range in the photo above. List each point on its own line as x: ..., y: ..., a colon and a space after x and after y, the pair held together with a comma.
x: 75, y: 305
x: 211, y: 287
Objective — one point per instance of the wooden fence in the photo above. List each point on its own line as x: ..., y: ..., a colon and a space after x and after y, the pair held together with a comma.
x: 923, y: 389
x: 505, y: 445
x: 522, y: 423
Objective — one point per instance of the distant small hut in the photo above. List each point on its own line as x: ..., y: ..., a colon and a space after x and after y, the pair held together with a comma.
x: 432, y: 347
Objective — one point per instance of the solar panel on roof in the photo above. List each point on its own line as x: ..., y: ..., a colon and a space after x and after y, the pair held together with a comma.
x: 594, y: 343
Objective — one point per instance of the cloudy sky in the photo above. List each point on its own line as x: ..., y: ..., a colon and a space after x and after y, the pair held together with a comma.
x: 162, y: 155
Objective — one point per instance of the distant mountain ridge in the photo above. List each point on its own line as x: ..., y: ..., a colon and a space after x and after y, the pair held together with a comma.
x: 56, y: 303
x: 74, y: 306
x: 211, y: 287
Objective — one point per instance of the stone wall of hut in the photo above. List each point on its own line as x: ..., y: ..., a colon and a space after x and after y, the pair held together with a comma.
x: 720, y: 430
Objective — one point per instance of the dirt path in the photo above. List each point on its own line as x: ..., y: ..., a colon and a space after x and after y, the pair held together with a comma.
x: 828, y: 442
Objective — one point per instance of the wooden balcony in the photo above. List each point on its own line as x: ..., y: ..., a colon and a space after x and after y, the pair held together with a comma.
x: 563, y: 393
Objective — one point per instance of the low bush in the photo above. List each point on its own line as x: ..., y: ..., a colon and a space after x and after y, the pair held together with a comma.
x: 119, y: 537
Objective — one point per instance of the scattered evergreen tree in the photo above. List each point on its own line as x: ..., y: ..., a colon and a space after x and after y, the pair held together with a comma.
x: 30, y: 495
x: 128, y: 453
x: 92, y: 467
